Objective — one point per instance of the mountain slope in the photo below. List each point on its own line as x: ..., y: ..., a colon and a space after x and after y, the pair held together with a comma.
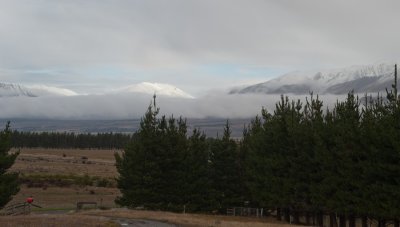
x: 361, y: 79
x: 14, y: 90
x: 155, y: 88
x: 11, y: 90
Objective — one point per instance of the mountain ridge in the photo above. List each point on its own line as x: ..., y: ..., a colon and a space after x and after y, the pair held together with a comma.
x: 360, y: 79
x: 155, y: 88
x: 13, y: 90
x: 18, y: 90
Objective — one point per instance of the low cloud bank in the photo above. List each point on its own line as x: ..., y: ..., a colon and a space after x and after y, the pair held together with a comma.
x: 130, y: 106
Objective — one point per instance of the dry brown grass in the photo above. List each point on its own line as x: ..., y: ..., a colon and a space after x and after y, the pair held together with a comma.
x: 66, y: 161
x: 66, y: 198
x: 56, y: 220
x: 190, y: 219
x: 40, y: 161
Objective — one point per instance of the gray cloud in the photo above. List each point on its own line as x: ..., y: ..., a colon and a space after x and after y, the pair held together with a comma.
x: 175, y: 36
x: 133, y: 106
x: 175, y: 33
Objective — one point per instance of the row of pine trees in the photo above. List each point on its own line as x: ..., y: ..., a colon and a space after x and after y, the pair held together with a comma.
x: 344, y: 162
x: 163, y: 168
x: 302, y: 160
x: 20, y: 139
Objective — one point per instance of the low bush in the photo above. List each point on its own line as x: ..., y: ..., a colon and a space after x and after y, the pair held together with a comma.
x: 43, y: 180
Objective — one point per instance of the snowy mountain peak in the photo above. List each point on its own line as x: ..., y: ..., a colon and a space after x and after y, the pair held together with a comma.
x: 361, y: 79
x: 43, y: 90
x: 13, y: 90
x: 156, y: 88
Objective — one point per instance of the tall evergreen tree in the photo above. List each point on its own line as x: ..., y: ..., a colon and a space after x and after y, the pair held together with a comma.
x: 8, y: 181
x: 197, y: 184
x: 225, y: 175
x: 151, y: 169
x: 137, y: 166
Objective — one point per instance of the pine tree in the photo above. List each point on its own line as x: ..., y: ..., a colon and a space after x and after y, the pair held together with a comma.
x: 151, y: 168
x: 197, y: 184
x: 137, y: 166
x: 225, y: 175
x: 256, y: 145
x: 9, y: 185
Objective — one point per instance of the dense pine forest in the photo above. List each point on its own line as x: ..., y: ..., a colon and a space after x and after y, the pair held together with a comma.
x: 301, y: 160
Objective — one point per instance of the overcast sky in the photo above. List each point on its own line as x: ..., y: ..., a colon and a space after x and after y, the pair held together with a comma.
x: 92, y: 45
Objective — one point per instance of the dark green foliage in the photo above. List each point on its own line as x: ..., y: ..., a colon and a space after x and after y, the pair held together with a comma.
x: 225, y: 175
x: 138, y: 167
x: 153, y: 169
x: 162, y: 168
x: 344, y: 162
x: 197, y: 184
x: 9, y: 185
x: 70, y: 140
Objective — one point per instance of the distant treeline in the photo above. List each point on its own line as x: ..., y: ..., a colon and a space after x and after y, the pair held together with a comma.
x: 70, y: 140
x: 301, y: 161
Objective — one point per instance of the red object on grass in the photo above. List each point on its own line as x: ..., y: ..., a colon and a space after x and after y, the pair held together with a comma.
x: 29, y: 200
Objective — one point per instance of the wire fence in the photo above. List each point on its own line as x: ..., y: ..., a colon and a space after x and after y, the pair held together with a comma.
x: 16, y: 209
x: 245, y: 211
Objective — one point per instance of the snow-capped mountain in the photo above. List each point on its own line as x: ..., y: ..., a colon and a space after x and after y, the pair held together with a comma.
x: 43, y: 90
x: 360, y: 79
x: 155, y: 88
x: 12, y: 90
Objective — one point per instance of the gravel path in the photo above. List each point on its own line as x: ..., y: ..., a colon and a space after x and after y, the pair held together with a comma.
x: 125, y: 222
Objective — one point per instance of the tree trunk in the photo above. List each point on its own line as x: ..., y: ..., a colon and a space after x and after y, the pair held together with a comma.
x: 278, y: 214
x: 396, y: 223
x: 342, y: 220
x: 352, y: 221
x: 296, y: 218
x: 308, y: 218
x: 364, y: 220
x: 381, y: 223
x: 286, y: 214
x: 320, y: 219
x: 332, y: 220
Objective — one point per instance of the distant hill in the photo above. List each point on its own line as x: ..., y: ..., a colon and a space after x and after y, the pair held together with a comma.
x: 11, y: 90
x: 155, y: 88
x: 361, y: 79
x: 14, y: 90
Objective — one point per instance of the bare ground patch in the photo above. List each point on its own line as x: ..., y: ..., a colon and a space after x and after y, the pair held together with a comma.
x: 56, y: 220
x: 190, y: 219
x: 66, y: 198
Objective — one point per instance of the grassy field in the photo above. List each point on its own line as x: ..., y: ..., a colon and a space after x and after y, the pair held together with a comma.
x: 67, y: 197
x: 66, y: 161
x: 65, y: 164
x: 73, y: 166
